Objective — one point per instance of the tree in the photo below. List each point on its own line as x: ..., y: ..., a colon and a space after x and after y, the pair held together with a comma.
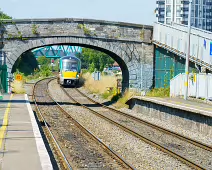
x: 26, y: 63
x: 43, y: 60
x: 93, y: 59
x: 4, y: 16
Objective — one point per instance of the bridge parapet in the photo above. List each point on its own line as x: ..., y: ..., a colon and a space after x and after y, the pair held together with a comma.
x: 174, y: 39
x: 29, y: 28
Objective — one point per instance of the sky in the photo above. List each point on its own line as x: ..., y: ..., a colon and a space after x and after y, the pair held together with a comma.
x: 133, y: 11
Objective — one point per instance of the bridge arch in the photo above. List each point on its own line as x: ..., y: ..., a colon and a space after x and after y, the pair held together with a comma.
x: 37, y: 43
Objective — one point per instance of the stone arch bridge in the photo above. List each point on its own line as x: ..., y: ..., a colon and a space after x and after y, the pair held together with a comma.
x: 130, y: 45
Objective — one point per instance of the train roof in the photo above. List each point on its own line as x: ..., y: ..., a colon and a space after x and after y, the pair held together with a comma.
x: 70, y: 57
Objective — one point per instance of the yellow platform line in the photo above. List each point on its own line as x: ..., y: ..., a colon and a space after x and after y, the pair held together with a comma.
x: 5, y: 121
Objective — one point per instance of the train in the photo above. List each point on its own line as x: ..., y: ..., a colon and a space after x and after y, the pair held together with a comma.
x: 69, y: 71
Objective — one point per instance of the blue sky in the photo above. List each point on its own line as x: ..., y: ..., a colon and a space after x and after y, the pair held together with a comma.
x: 135, y: 11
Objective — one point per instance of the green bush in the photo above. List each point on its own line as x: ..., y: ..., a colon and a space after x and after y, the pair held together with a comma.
x: 159, y: 92
x: 45, y: 71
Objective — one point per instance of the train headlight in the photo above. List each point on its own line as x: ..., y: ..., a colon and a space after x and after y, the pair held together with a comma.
x: 77, y: 76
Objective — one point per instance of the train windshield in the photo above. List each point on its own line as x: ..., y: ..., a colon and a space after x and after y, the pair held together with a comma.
x: 69, y: 66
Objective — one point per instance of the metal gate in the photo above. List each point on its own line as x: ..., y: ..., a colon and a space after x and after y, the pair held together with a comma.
x: 3, y: 79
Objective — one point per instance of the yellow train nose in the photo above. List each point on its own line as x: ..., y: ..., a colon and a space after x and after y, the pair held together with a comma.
x: 69, y: 74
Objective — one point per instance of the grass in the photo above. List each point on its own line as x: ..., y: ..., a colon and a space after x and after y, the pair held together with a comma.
x: 100, y: 86
x: 159, y: 92
x: 123, y: 99
x: 18, y: 87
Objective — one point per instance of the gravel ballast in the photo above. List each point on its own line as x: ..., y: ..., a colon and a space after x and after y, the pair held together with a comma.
x: 135, y: 151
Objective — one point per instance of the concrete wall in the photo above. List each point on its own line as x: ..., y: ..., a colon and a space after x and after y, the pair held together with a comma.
x: 185, y: 119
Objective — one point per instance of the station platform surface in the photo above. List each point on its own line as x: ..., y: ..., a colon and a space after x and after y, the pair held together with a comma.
x: 191, y: 105
x: 21, y: 143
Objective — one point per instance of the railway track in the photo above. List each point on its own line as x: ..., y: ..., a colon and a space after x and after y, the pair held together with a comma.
x: 87, y: 151
x: 64, y: 164
x: 193, y: 153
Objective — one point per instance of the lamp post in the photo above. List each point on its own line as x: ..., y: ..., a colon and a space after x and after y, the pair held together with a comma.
x: 188, y: 53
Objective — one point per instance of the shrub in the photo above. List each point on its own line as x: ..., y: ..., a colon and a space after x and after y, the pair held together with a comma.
x: 18, y: 87
x: 159, y: 92
x: 123, y: 99
x: 98, y: 86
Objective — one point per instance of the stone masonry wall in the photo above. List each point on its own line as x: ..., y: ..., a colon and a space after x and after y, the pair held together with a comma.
x: 129, y: 44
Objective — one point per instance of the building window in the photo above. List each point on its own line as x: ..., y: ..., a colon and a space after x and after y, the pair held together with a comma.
x: 168, y: 1
x: 168, y: 10
x: 178, y: 13
x: 168, y: 20
x: 178, y: 1
x: 178, y: 20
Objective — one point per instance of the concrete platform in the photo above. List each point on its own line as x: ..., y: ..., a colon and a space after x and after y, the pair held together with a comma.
x: 179, y: 103
x: 22, y: 147
x: 187, y: 114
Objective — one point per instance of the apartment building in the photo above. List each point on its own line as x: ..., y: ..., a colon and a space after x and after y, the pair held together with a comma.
x: 168, y: 11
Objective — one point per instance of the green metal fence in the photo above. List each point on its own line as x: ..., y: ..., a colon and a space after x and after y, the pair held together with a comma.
x: 168, y: 65
x: 3, y: 77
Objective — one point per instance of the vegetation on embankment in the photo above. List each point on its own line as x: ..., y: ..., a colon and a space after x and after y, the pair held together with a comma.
x: 27, y: 65
x: 100, y: 86
x: 159, y: 92
x: 107, y: 88
x: 18, y: 87
x: 121, y: 103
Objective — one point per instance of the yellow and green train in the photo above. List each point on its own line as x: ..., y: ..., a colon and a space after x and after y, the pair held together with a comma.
x: 69, y: 70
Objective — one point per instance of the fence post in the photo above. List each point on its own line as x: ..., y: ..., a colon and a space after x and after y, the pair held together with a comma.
x: 206, y: 87
x: 197, y: 86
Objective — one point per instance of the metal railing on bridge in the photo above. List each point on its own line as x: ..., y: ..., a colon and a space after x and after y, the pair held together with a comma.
x: 199, y: 85
x: 56, y: 51
x: 174, y: 38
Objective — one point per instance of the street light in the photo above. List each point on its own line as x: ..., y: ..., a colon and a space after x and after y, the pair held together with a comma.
x: 188, y: 53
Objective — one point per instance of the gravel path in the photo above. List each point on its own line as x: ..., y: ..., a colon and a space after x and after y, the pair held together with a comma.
x: 135, y: 151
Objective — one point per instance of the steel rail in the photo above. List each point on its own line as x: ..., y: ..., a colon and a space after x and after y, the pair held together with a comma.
x: 149, y: 141
x: 107, y: 148
x: 179, y: 136
x: 65, y: 163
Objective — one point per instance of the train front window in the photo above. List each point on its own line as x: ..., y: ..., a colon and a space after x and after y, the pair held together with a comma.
x: 68, y: 66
